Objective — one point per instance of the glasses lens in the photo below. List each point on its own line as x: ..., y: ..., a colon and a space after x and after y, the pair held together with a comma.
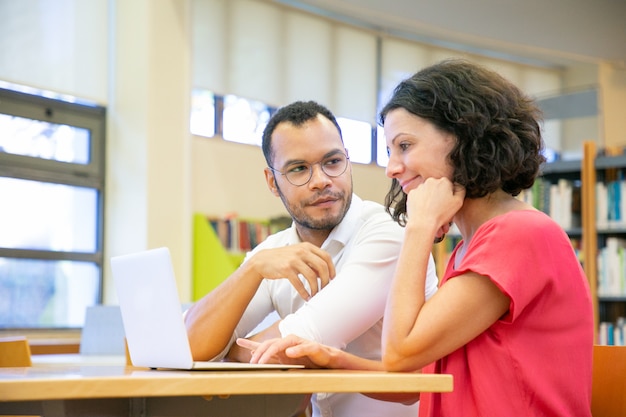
x: 335, y: 166
x: 299, y: 176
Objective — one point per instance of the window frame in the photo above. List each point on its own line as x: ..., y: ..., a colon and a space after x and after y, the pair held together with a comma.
x: 90, y: 175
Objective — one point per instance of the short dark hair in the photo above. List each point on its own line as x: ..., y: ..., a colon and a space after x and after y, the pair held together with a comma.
x: 296, y: 113
x: 496, y: 126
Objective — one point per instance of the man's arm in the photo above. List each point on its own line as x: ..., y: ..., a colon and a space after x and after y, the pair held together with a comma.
x: 355, y: 300
x: 212, y: 320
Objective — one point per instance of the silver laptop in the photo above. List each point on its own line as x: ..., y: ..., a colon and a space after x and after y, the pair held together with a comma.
x: 152, y: 315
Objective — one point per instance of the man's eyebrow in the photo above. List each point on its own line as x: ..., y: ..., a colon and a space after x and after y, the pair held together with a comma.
x: 333, y: 153
x: 303, y: 161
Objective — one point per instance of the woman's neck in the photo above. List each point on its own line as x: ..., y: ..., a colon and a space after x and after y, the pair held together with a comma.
x: 476, y: 211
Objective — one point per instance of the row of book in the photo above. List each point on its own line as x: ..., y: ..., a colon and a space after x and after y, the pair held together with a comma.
x: 242, y: 235
x: 560, y: 200
x: 612, y: 268
x: 239, y: 235
x: 612, y: 333
x: 610, y: 205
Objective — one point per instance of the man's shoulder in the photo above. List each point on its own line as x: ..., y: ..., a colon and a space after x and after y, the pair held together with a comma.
x: 372, y: 205
x: 372, y: 218
x: 371, y: 210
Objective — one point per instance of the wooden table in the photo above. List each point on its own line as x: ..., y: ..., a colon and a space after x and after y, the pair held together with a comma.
x: 118, y: 390
x: 48, y: 342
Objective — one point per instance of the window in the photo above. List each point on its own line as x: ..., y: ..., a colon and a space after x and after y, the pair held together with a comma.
x: 51, y: 216
x: 382, y: 157
x: 357, y: 136
x: 202, y: 113
x: 244, y: 120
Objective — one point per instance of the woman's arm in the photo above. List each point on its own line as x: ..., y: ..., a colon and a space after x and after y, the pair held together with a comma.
x: 463, y: 308
x: 294, y: 348
x: 416, y: 332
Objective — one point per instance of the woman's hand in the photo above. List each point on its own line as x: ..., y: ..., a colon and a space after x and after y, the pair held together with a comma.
x: 436, y: 201
x: 290, y: 350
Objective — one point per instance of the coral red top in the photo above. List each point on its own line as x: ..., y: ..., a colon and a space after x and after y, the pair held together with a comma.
x: 536, y: 360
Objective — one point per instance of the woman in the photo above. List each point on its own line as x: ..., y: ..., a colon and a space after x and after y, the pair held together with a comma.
x: 512, y: 320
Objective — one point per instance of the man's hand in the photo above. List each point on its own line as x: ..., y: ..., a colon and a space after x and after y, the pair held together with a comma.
x: 293, y: 262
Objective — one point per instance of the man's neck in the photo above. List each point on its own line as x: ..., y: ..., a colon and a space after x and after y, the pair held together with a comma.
x: 315, y: 237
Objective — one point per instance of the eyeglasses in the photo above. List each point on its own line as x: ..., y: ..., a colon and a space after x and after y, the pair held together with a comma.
x: 301, y: 173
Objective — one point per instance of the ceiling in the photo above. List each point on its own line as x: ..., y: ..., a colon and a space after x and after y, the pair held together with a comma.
x: 539, y: 32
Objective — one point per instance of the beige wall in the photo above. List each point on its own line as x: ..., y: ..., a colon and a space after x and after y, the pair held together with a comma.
x: 228, y: 177
x: 148, y: 142
x: 612, y: 80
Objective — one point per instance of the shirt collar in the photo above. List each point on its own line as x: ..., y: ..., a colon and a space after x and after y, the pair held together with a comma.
x: 342, y: 233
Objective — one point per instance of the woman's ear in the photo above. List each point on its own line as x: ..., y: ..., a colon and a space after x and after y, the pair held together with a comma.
x: 270, y: 179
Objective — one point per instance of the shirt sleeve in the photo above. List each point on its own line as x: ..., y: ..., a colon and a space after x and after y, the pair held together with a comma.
x: 506, y: 250
x: 354, y: 300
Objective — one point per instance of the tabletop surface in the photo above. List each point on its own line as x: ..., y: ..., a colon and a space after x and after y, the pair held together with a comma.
x: 64, y: 381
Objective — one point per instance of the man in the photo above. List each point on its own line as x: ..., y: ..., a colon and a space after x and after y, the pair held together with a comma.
x: 327, y: 276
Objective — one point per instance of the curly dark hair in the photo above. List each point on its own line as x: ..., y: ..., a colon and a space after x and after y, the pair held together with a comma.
x: 496, y: 127
x: 296, y: 113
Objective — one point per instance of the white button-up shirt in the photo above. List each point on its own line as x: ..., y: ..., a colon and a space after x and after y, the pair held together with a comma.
x: 347, y: 313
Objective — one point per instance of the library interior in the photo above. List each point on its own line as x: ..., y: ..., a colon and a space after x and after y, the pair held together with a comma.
x: 132, y: 125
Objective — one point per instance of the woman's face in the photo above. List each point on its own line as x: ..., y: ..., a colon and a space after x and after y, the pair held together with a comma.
x: 417, y: 149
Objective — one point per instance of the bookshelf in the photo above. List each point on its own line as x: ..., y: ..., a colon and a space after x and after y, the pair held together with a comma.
x: 600, y: 236
x: 605, y: 237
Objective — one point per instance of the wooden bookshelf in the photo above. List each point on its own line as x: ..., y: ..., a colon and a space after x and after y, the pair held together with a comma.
x: 605, y: 167
x: 590, y: 236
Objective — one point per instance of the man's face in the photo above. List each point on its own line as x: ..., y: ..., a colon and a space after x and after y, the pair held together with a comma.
x: 321, y: 203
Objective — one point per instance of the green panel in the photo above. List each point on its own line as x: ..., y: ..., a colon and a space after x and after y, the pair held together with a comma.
x: 212, y: 264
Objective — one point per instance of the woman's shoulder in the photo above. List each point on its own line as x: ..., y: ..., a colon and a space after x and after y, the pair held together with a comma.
x: 523, y: 222
x: 525, y: 218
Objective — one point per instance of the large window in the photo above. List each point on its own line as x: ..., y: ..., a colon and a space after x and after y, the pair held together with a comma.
x: 241, y: 120
x: 51, y: 216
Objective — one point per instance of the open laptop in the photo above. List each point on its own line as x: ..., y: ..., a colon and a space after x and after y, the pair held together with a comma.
x: 152, y: 315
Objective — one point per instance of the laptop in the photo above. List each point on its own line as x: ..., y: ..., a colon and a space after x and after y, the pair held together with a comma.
x: 153, y: 318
